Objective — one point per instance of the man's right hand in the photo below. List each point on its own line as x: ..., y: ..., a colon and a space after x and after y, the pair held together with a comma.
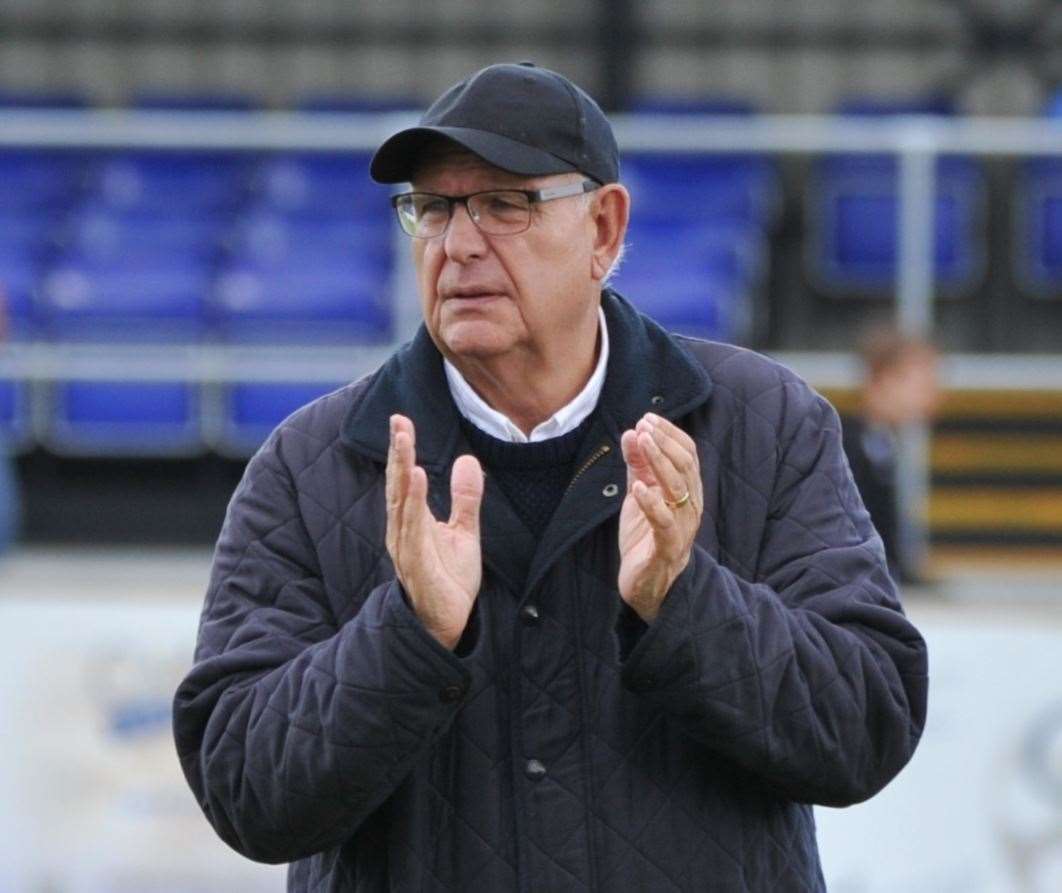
x: 439, y: 565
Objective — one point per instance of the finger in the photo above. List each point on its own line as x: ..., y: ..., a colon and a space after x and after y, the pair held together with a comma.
x: 638, y: 467
x: 404, y: 463
x: 682, y: 450
x: 666, y: 532
x: 673, y: 441
x: 394, y: 490
x: 671, y: 479
x: 400, y: 425
x: 415, y: 514
x: 410, y: 535
x: 685, y: 462
x: 401, y: 461
x: 673, y: 431
x: 406, y: 451
x: 627, y: 444
x: 466, y: 494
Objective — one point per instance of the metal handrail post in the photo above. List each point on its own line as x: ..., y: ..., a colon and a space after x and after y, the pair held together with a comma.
x: 916, y: 238
x: 404, y: 296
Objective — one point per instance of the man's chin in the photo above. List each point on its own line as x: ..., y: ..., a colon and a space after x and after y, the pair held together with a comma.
x: 476, y: 341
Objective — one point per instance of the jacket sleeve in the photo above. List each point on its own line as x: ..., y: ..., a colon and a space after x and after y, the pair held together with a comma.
x: 809, y: 676
x: 290, y: 729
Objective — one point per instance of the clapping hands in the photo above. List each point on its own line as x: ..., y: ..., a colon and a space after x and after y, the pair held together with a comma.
x: 438, y: 563
x: 661, y: 512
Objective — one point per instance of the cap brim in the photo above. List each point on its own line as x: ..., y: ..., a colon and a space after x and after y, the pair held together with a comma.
x: 395, y: 160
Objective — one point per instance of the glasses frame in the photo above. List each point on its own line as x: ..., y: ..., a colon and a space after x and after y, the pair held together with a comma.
x: 534, y: 196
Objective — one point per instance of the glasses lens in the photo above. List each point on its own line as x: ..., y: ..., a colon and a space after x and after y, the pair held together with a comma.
x: 500, y: 213
x: 422, y: 215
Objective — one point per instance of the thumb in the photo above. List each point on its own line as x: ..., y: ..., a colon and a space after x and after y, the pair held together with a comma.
x: 466, y: 493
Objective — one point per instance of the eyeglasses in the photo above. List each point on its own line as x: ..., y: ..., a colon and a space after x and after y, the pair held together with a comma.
x: 496, y: 212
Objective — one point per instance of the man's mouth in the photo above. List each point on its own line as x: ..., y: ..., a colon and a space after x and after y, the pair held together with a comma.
x: 471, y: 297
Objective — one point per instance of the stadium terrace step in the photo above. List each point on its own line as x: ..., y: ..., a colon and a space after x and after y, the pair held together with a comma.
x: 996, y: 470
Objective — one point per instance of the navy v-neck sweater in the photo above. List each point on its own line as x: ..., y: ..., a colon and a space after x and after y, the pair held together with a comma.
x: 533, y: 476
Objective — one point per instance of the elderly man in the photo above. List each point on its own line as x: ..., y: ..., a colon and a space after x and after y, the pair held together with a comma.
x: 653, y: 633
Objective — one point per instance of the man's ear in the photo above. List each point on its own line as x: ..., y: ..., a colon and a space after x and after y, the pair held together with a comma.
x: 609, y: 212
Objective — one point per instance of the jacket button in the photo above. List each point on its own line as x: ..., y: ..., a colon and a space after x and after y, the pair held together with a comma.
x: 451, y: 693
x: 610, y: 490
x: 535, y: 770
x: 656, y: 400
x: 529, y: 614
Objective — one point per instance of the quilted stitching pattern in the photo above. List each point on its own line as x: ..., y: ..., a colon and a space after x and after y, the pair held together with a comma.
x: 780, y: 673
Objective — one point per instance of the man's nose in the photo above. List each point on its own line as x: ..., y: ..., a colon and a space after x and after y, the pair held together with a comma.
x: 463, y: 240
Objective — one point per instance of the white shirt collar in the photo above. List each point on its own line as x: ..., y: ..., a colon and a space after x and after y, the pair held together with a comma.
x: 567, y: 418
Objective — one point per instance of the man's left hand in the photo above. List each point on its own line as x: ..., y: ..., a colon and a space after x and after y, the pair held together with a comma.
x: 660, y: 514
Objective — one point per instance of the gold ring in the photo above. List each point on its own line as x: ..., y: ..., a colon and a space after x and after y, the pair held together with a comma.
x: 680, y: 502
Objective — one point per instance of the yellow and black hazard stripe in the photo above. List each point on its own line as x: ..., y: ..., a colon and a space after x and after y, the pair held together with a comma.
x: 996, y: 469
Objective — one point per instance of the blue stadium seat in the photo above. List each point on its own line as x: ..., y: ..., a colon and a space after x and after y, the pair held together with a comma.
x: 19, y: 274
x: 28, y: 240
x: 172, y: 182
x: 15, y: 418
x: 323, y: 184
x: 694, y: 187
x: 98, y: 234
x: 124, y: 418
x: 250, y: 411
x: 733, y: 249
x: 143, y: 300
x: 307, y: 296
x: 29, y: 232
x: 1038, y: 219
x: 265, y: 235
x: 40, y: 180
x: 852, y: 211
x: 134, y: 264
x: 695, y: 278
x: 311, y: 259
x: 122, y: 299
x: 1038, y: 224
x: 708, y: 306
x: 733, y: 186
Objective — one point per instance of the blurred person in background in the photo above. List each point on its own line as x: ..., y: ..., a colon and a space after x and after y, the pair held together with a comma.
x: 9, y: 498
x: 642, y: 645
x: 900, y: 387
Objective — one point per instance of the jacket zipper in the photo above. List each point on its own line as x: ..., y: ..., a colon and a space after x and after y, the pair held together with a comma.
x: 603, y: 450
x: 597, y: 454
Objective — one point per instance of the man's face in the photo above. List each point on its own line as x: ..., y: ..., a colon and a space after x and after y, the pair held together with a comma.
x: 485, y: 296
x: 910, y: 388
x: 920, y: 386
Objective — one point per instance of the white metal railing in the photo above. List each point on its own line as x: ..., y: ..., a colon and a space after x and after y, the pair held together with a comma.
x: 915, y: 141
x: 215, y: 364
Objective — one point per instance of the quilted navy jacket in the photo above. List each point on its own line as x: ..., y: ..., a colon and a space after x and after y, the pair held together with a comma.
x: 563, y: 745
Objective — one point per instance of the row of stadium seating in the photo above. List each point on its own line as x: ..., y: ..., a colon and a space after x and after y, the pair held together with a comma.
x: 157, y: 418
x: 216, y: 241
x: 300, y: 247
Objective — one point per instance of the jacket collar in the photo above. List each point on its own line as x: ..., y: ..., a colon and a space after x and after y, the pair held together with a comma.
x: 649, y: 370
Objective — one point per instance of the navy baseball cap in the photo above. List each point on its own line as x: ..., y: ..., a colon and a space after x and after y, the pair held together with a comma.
x: 519, y: 117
